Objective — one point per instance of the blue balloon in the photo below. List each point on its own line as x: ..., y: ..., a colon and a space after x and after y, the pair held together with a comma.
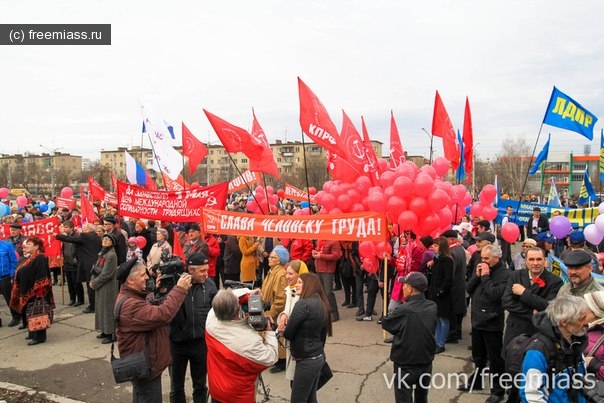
x: 36, y: 205
x: 4, y: 209
x: 305, y: 204
x: 51, y: 204
x: 468, y: 210
x: 43, y: 208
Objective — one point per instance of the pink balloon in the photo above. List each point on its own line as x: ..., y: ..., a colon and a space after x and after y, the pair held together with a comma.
x: 438, y: 199
x: 423, y: 185
x: 510, y: 232
x: 488, y: 193
x: 467, y: 200
x: 259, y: 190
x: 389, y: 192
x: 387, y: 178
x: 66, y: 192
x: 273, y: 198
x: 336, y: 190
x: 194, y: 185
x: 406, y: 170
x: 441, y: 166
x: 251, y: 205
x: 344, y: 202
x: 312, y: 190
x: 3, y: 193
x: 429, y: 170
x: 381, y: 248
x: 592, y: 234
x: 383, y: 164
x: 270, y: 190
x: 476, y: 209
x: 21, y: 201
x: 363, y: 184
x: 428, y: 224
x: 141, y: 241
x: 376, y: 202
x: 407, y: 220
x: 370, y: 265
x: 403, y: 186
x: 419, y: 206
x: 445, y: 217
x: 457, y: 193
x: 366, y: 249
x: 396, y: 206
x: 335, y: 210
x: 327, y: 185
x: 329, y: 201
x: 489, y: 213
x: 357, y: 208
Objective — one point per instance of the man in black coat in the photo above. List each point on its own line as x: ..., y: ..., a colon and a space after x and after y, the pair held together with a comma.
x: 187, y: 333
x: 413, y: 325
x: 458, y: 288
x: 121, y: 246
x: 536, y: 224
x: 486, y: 288
x: 88, y: 248
x: 528, y: 290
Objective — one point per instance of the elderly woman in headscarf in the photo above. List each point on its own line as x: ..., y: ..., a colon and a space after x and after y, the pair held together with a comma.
x: 594, y: 352
x: 32, y: 281
x: 161, y: 246
x: 273, y: 291
x: 105, y: 288
x: 292, y: 273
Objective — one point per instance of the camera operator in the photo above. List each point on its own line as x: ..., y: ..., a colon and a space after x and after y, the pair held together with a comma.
x: 143, y: 325
x: 187, y: 333
x: 236, y: 353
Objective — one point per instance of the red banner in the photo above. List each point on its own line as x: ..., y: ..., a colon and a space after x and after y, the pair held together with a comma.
x: 65, y: 202
x: 111, y: 199
x: 292, y: 192
x: 178, y: 206
x: 367, y: 226
x: 244, y: 180
x: 42, y: 229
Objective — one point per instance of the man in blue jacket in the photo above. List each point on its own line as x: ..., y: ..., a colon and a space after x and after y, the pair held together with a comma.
x: 8, y: 264
x: 413, y: 325
x: 187, y: 333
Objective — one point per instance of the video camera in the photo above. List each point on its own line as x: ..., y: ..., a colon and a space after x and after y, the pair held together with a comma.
x: 255, y: 306
x: 170, y: 269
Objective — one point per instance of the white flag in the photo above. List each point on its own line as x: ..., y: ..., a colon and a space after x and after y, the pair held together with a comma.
x: 168, y: 159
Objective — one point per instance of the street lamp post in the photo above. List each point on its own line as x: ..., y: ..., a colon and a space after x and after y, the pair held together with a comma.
x: 431, y: 143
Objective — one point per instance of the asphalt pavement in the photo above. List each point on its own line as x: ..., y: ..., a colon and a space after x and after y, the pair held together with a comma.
x: 74, y: 366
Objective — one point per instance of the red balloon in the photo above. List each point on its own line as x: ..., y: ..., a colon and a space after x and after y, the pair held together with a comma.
x: 66, y: 192
x: 428, y: 224
x: 251, y: 205
x: 407, y: 220
x: 407, y: 170
x: 21, y: 201
x: 281, y: 193
x: 445, y: 217
x: 357, y: 208
x: 312, y: 190
x: 376, y: 202
x: 3, y: 193
x: 141, y: 241
x: 344, y: 202
x: 259, y: 190
x: 354, y: 196
x: 273, y: 198
x: 363, y: 184
x: 387, y: 178
x: 488, y: 194
x: 423, y: 185
x: 457, y: 193
x: 383, y: 247
x: 328, y: 201
x: 194, y: 185
x: 335, y: 210
x: 489, y: 213
x: 438, y: 199
x: 510, y: 232
x: 389, y: 192
x: 476, y: 209
x: 336, y: 190
x: 429, y: 170
x: 395, y: 205
x: 327, y: 185
x: 419, y: 206
x: 366, y: 249
x: 370, y: 265
x: 270, y: 190
x: 403, y: 186
x: 441, y: 166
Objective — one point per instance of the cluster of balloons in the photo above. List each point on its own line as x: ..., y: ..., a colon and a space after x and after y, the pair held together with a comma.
x: 594, y: 233
x: 263, y: 201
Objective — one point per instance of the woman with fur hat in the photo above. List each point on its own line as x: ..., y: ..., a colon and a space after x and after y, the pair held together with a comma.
x: 105, y: 288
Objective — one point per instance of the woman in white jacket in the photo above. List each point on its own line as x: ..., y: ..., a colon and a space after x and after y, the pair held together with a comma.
x: 292, y: 272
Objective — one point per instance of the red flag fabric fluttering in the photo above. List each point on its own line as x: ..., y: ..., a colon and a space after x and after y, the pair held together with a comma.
x: 397, y: 156
x: 352, y: 146
x: 233, y: 138
x: 442, y: 127
x: 87, y: 211
x: 192, y: 148
x: 372, y: 162
x: 264, y: 162
x: 468, y: 141
x: 96, y: 190
x: 177, y: 249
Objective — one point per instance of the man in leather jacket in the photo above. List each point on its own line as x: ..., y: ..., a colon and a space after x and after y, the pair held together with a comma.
x: 187, y: 333
x: 413, y: 325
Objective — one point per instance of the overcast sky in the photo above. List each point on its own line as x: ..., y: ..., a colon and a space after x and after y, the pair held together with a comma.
x: 366, y: 57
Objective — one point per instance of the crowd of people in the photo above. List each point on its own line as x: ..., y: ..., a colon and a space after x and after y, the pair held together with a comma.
x: 196, y: 321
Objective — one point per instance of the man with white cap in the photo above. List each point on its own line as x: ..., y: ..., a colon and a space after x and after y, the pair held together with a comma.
x: 518, y: 260
x: 578, y: 265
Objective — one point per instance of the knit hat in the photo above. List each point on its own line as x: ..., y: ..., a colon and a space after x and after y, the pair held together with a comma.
x: 110, y: 236
x: 132, y: 239
x: 281, y: 253
x: 142, y: 224
x: 595, y: 301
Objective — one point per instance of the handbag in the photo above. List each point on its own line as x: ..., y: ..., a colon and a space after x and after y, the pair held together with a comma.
x: 38, y: 315
x: 133, y: 367
x: 325, y: 375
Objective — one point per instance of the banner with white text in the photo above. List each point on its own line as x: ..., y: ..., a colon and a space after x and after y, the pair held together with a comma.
x: 177, y: 206
x: 244, y: 180
x: 292, y: 192
x: 366, y: 226
x: 523, y: 211
x: 42, y: 229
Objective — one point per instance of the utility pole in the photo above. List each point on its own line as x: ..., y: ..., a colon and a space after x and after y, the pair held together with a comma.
x: 431, y: 143
x: 52, y: 168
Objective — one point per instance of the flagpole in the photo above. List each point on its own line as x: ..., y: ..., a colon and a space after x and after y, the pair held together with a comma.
x: 431, y: 143
x: 268, y: 203
x: 529, y: 167
x: 156, y: 159
x: 306, y: 173
x: 244, y: 181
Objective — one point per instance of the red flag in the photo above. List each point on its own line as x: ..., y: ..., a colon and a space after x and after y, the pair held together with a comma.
x: 352, y: 145
x: 315, y: 120
x: 178, y: 184
x: 372, y: 161
x: 113, y: 181
x: 468, y: 141
x: 442, y: 127
x: 88, y: 215
x: 96, y: 190
x: 266, y: 163
x: 149, y: 183
x: 177, y: 249
x: 340, y: 169
x: 192, y: 148
x: 233, y: 138
x: 397, y: 156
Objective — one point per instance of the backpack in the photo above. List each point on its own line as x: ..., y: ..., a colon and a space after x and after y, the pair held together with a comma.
x: 516, y: 349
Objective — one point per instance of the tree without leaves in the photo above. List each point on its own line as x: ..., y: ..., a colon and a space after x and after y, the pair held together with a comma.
x: 512, y: 165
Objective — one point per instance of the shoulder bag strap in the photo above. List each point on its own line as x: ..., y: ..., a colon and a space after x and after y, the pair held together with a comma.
x: 596, y: 346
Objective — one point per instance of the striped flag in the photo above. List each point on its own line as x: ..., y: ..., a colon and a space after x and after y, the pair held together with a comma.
x: 602, y: 156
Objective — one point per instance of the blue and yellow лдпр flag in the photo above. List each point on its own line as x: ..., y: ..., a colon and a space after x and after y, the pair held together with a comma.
x: 566, y: 113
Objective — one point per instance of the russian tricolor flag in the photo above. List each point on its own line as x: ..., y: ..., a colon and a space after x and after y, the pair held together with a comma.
x: 135, y: 173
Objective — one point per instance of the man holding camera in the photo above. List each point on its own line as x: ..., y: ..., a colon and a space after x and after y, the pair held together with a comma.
x: 237, y: 354
x: 143, y: 325
x: 187, y: 333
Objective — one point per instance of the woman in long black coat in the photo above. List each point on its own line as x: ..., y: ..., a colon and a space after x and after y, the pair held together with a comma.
x: 440, y: 289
